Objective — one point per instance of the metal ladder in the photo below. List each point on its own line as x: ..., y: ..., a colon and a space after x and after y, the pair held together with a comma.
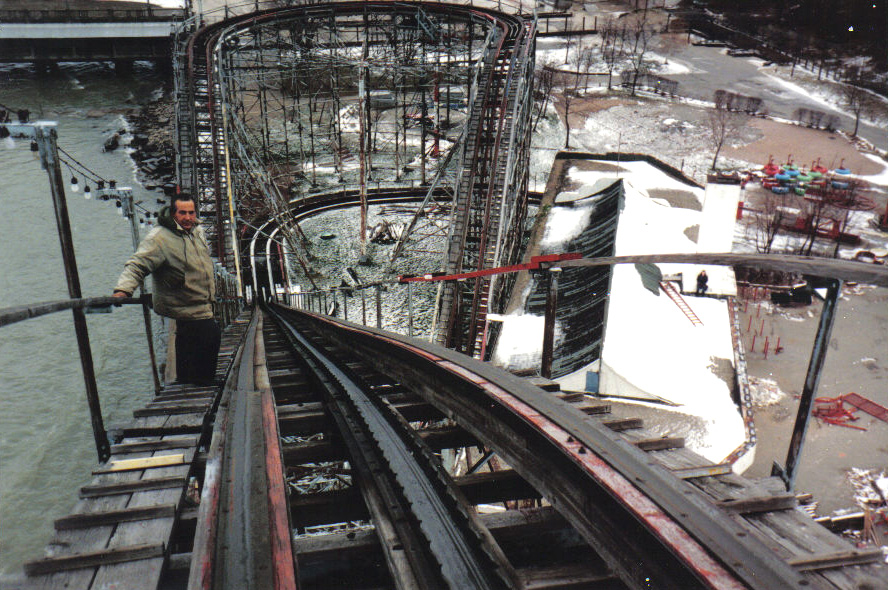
x: 676, y: 297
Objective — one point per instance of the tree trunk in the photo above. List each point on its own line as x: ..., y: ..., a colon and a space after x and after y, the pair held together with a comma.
x: 567, y: 124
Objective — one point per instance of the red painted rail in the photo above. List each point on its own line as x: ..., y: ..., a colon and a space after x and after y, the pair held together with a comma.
x: 534, y: 264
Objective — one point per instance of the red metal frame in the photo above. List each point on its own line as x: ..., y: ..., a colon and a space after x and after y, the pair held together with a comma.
x: 534, y: 264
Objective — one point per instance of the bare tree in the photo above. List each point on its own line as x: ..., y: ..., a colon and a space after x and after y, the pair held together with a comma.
x: 567, y: 97
x: 585, y: 59
x: 639, y: 34
x: 857, y: 99
x: 769, y: 220
x: 724, y: 124
x: 544, y: 83
x: 610, y: 53
x: 814, y: 212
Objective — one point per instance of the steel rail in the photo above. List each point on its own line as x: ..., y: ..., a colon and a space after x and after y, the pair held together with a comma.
x: 457, y: 554
x: 243, y: 535
x: 653, y: 529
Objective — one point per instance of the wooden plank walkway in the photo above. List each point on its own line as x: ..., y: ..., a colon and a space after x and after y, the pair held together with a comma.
x: 118, y: 535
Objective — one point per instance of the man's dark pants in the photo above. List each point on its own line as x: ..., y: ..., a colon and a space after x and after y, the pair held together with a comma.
x: 197, y: 348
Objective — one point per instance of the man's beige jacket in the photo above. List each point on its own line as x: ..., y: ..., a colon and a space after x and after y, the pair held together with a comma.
x: 184, y: 287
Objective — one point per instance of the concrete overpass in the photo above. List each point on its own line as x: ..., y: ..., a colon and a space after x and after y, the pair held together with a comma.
x: 51, y: 36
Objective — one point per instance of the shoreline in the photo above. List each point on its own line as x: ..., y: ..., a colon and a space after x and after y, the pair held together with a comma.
x: 152, y: 147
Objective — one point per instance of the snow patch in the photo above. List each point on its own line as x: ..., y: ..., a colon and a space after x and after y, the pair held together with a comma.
x: 765, y: 392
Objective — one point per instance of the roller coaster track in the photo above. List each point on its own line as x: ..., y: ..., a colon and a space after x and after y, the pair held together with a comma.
x: 310, y: 392
x: 490, y: 198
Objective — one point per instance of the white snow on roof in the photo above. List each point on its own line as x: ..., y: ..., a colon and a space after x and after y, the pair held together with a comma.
x: 566, y: 223
x: 651, y: 348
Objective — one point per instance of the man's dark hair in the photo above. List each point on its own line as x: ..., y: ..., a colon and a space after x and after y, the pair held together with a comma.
x: 179, y: 197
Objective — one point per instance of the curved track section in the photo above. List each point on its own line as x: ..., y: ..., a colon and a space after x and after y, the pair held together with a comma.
x: 270, y: 99
x: 354, y: 438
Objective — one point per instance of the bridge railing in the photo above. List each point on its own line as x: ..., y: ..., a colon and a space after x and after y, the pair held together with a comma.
x: 91, y: 16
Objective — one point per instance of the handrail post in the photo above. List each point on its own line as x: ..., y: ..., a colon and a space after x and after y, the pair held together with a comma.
x: 129, y: 210
x: 379, y: 306
x: 409, y: 311
x: 49, y: 158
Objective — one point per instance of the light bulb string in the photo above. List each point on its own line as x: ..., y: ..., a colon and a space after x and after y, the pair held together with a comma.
x: 73, y: 162
x: 76, y: 167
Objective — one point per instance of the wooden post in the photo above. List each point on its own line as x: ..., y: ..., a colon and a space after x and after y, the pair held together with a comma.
x: 363, y: 307
x: 49, y: 158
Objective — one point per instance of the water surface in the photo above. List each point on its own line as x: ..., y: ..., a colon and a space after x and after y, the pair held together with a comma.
x: 46, y: 444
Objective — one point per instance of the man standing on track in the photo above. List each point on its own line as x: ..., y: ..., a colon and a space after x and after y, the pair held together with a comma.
x: 176, y: 253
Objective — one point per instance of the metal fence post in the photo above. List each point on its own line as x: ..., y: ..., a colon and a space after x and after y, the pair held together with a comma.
x: 409, y: 311
x: 379, y: 306
x: 129, y: 210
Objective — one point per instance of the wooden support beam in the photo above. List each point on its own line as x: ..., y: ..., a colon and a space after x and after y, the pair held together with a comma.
x: 199, y: 408
x: 595, y: 409
x: 94, y: 519
x: 824, y: 561
x: 51, y: 565
x: 660, y: 444
x: 759, y: 504
x: 620, y: 424
x: 144, y: 431
x: 344, y: 505
x: 127, y: 487
x: 571, y: 576
x: 702, y: 471
x: 154, y: 445
x: 451, y: 437
x: 142, y: 463
x: 309, y: 418
x: 180, y: 397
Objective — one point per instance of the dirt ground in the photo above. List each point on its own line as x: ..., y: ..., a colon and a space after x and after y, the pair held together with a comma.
x: 785, y: 141
x: 857, y: 361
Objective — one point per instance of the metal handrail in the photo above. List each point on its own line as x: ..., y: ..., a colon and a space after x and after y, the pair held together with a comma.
x: 12, y: 315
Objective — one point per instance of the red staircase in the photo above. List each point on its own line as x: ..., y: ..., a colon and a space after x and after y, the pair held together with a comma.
x: 870, y: 407
x: 673, y: 294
